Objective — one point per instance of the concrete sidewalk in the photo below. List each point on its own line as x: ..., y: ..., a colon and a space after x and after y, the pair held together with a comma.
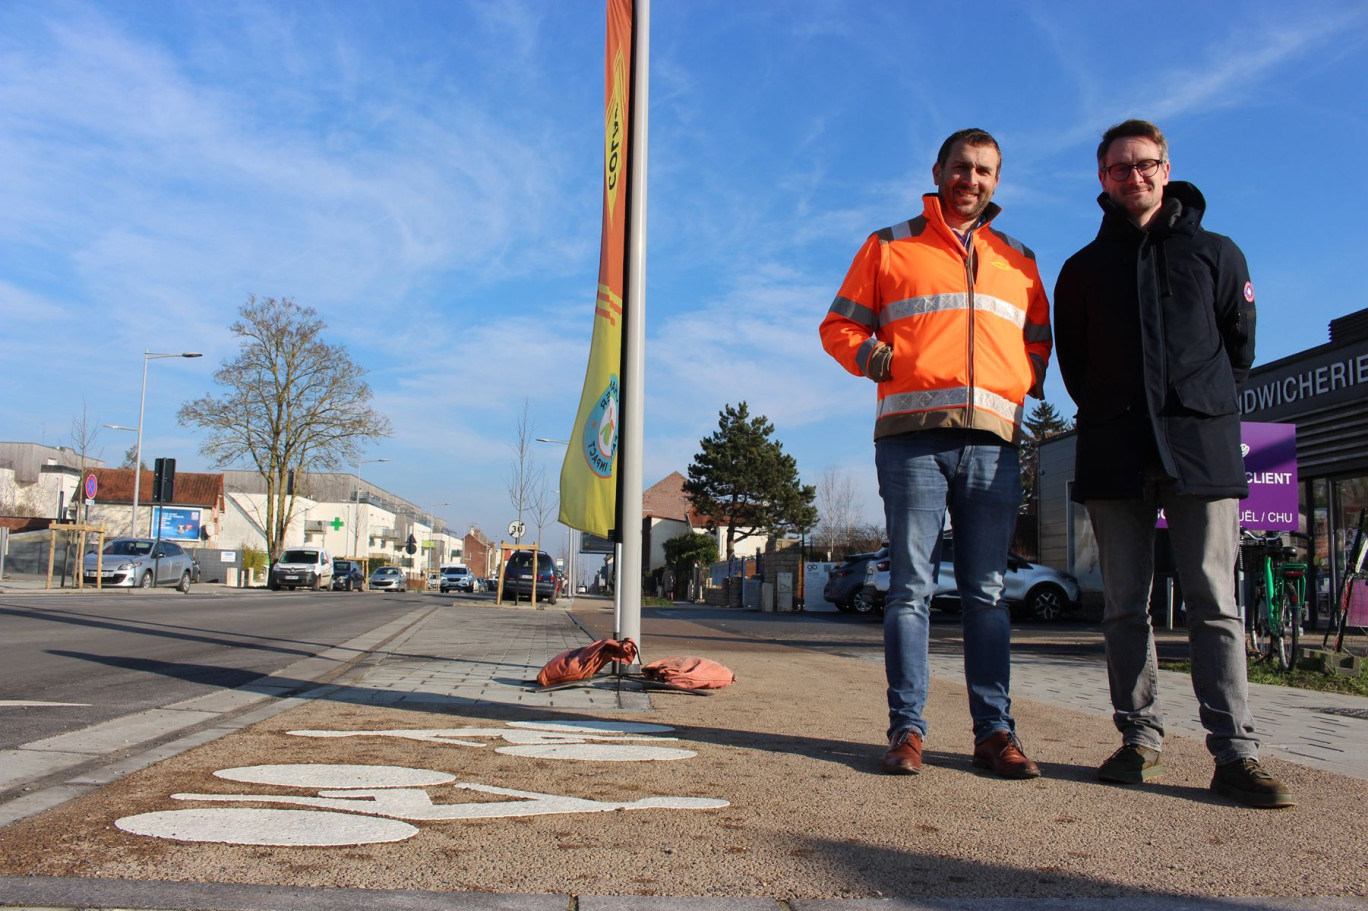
x: 792, y: 749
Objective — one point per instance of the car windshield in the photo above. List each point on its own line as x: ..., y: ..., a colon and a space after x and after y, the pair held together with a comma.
x: 343, y: 565
x: 128, y: 548
x: 299, y: 556
x: 387, y: 571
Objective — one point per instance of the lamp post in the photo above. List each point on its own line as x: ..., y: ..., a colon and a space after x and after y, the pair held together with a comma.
x: 432, y: 514
x: 356, y: 498
x: 137, y: 457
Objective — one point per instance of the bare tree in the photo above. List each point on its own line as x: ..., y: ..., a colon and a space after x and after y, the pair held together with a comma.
x: 84, y: 433
x: 525, y: 477
x: 292, y: 403
x: 840, y: 508
x: 544, y: 505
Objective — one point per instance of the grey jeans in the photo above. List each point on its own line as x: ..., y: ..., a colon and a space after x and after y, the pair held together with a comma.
x: 1205, y: 534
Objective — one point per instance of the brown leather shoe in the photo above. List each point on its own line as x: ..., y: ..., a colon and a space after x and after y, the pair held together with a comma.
x: 1001, y: 752
x: 904, y: 753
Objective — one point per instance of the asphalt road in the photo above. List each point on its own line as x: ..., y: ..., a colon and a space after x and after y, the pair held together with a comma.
x: 91, y: 658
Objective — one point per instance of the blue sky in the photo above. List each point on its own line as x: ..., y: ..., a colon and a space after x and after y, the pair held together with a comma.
x: 428, y: 176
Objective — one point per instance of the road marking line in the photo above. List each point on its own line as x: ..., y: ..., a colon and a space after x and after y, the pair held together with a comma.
x: 7, y: 702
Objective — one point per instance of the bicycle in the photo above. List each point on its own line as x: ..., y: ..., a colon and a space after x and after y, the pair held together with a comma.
x: 1279, y: 600
x: 1353, y: 570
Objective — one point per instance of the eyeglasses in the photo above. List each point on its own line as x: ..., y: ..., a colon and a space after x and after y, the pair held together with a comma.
x: 1146, y: 167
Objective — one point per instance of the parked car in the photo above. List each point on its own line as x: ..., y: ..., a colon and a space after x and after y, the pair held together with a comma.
x: 348, y: 576
x: 1030, y: 589
x: 138, y: 563
x: 457, y: 579
x: 389, y: 578
x: 301, y: 567
x: 845, y: 581
x: 518, y: 577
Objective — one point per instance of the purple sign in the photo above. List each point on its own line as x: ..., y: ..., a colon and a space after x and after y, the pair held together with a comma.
x: 1270, y: 459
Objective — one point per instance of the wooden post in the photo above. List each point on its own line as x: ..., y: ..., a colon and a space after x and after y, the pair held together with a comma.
x: 82, y: 530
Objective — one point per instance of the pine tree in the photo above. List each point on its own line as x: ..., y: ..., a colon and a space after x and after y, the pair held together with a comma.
x: 1043, y: 422
x: 743, y: 479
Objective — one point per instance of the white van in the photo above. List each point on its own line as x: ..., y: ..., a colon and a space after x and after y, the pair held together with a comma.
x: 302, y: 567
x: 457, y: 578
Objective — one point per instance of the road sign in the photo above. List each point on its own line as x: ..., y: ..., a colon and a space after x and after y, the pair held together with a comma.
x: 411, y: 546
x: 516, y: 530
x: 92, y: 484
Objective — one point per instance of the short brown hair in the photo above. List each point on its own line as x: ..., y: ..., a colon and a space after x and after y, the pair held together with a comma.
x: 972, y: 137
x: 1128, y: 129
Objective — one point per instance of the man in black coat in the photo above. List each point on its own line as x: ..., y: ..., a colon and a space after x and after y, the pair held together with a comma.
x: 1154, y: 330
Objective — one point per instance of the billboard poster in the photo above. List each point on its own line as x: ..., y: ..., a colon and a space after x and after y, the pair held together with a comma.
x: 176, y: 523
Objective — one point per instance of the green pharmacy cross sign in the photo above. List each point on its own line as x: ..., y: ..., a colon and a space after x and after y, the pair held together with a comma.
x: 336, y: 523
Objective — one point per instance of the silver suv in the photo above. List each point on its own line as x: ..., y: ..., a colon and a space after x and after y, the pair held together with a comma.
x: 457, y: 579
x: 1032, y: 590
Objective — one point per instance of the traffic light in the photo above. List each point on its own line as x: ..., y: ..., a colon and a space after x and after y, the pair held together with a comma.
x: 164, y: 481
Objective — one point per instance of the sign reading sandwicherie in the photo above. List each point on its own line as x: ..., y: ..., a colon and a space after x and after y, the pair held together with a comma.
x: 1306, y: 383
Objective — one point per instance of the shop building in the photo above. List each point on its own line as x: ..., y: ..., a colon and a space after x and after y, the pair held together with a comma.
x: 1323, y: 392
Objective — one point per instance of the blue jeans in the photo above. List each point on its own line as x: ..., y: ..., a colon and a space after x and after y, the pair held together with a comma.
x: 978, y: 479
x: 1205, y: 534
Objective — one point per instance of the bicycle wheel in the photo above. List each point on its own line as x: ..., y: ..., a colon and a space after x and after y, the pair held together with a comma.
x: 1291, y: 626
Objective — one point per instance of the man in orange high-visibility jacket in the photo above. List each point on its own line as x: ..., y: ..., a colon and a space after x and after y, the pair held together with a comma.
x: 949, y: 317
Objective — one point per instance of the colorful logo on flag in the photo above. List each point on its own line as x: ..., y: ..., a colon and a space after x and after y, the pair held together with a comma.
x: 600, y: 437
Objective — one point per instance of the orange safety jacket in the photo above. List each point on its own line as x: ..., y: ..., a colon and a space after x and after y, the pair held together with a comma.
x: 970, y: 328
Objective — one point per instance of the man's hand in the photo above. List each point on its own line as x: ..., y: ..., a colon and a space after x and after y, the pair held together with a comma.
x: 881, y: 363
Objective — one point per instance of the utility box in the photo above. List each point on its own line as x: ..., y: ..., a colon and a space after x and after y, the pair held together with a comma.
x: 783, y: 592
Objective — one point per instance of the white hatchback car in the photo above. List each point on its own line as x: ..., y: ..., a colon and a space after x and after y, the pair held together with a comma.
x: 1030, y: 589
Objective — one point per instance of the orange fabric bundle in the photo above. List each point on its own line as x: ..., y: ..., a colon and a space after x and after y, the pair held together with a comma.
x: 689, y: 672
x: 583, y: 663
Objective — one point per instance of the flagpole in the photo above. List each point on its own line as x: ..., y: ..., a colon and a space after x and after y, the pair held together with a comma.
x: 632, y: 448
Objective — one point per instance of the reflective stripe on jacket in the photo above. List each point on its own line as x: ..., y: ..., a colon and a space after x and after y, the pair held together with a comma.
x: 970, y: 328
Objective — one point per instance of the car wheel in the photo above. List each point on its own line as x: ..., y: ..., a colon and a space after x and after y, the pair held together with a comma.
x: 184, y: 586
x: 862, y: 603
x: 146, y: 580
x: 273, y: 586
x: 1047, y: 602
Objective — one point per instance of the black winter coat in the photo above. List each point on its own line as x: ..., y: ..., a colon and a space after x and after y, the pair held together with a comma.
x: 1154, y: 331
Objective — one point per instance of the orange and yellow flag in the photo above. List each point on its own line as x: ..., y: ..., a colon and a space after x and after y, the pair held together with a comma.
x: 588, y: 480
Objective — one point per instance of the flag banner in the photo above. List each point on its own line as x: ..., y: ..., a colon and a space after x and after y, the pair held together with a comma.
x: 588, y: 479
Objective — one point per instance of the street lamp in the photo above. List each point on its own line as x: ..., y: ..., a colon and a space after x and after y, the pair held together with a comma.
x: 356, y: 498
x: 137, y: 457
x: 432, y: 514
